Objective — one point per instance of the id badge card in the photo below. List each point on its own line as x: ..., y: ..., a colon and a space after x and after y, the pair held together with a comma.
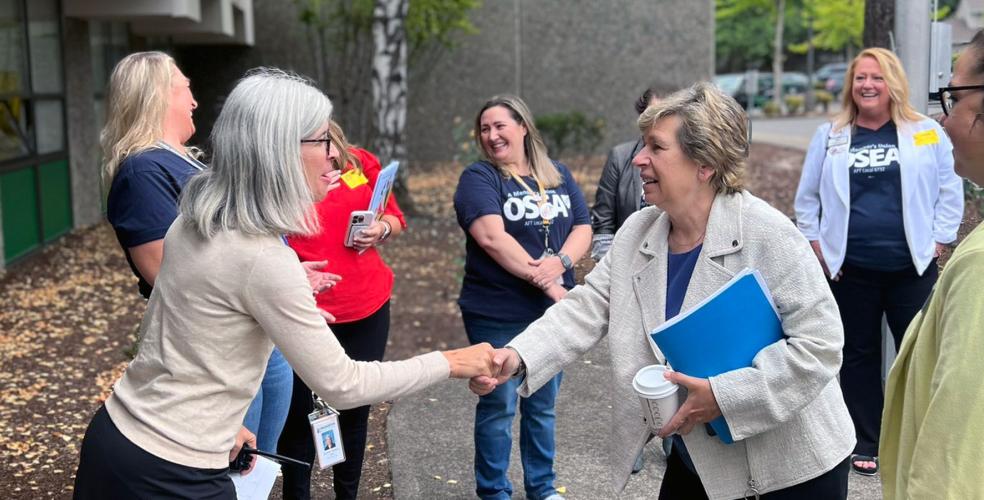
x: 327, y: 436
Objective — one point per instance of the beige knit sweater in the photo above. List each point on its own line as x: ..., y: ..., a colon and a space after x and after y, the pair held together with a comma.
x: 217, y: 309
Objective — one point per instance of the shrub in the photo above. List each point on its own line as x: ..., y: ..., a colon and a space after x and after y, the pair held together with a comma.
x: 824, y: 98
x: 794, y: 103
x: 770, y: 108
x: 466, y: 151
x: 570, y: 132
x: 974, y: 196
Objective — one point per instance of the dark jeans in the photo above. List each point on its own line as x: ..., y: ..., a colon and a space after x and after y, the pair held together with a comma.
x: 363, y: 340
x: 863, y: 296
x: 680, y: 483
x: 111, y: 466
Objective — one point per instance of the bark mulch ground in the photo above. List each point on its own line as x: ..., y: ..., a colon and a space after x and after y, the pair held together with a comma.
x: 69, y: 316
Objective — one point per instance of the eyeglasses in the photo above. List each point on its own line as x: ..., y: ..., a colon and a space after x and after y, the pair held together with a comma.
x: 945, y: 96
x: 326, y: 139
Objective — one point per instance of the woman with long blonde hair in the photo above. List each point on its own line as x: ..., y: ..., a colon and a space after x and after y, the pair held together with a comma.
x: 145, y: 161
x: 878, y: 199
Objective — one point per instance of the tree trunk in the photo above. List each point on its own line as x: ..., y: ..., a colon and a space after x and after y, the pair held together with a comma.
x: 879, y: 22
x: 389, y: 90
x: 777, y: 54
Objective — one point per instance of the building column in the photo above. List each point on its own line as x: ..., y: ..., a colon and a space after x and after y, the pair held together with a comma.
x: 83, y: 134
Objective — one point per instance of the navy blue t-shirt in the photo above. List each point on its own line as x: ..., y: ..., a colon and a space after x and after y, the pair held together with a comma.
x: 488, y: 289
x: 875, y: 232
x: 679, y: 269
x: 143, y: 200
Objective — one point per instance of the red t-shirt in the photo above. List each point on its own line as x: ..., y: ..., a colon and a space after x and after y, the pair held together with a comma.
x: 366, y: 280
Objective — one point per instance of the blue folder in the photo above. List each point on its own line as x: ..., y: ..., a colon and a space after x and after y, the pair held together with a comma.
x: 722, y: 333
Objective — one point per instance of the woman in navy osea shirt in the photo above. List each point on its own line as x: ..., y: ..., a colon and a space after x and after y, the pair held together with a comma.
x: 526, y: 224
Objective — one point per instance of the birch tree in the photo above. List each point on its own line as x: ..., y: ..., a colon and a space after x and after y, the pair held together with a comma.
x: 389, y: 88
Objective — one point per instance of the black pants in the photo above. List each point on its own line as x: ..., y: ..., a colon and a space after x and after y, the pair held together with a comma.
x: 863, y: 296
x: 680, y: 483
x: 363, y: 340
x: 111, y: 466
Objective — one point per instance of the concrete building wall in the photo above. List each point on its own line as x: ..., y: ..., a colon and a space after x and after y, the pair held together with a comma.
x: 571, y: 55
x: 559, y: 55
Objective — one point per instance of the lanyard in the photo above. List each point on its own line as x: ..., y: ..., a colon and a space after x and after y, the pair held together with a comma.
x: 541, y: 201
x: 191, y: 161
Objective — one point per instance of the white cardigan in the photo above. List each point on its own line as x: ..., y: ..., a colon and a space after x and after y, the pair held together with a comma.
x: 932, y: 194
x: 786, y: 411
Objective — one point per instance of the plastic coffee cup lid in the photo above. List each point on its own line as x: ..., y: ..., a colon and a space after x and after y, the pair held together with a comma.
x: 650, y: 383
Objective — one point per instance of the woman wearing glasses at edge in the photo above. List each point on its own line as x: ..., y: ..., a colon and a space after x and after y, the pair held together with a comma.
x: 360, y: 302
x: 149, y: 120
x: 931, y: 428
x: 878, y: 201
x: 786, y: 413
x: 229, y: 289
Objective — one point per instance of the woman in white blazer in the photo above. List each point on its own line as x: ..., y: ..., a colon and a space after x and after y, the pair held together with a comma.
x: 878, y: 200
x: 786, y: 413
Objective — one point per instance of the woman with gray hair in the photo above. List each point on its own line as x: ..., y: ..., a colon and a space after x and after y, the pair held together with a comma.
x: 230, y: 289
x: 792, y: 433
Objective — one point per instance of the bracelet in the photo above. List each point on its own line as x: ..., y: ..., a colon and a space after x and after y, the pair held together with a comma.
x: 387, y: 229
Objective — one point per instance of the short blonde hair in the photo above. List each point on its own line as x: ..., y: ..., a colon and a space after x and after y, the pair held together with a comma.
x: 533, y: 145
x: 713, y: 131
x: 896, y: 81
x: 136, y: 104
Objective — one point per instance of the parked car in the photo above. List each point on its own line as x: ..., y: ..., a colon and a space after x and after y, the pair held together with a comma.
x: 828, y: 71
x: 835, y: 84
x: 733, y: 84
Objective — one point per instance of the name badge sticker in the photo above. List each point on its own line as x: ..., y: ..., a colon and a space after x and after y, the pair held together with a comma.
x: 926, y: 138
x: 833, y: 142
x: 354, y: 178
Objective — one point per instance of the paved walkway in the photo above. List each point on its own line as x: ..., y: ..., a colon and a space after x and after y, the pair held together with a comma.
x: 431, y: 447
x: 794, y: 132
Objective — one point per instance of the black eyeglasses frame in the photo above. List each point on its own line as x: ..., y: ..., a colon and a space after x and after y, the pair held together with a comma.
x: 939, y: 95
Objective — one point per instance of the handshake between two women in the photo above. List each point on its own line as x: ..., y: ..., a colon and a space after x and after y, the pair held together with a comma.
x: 485, y: 366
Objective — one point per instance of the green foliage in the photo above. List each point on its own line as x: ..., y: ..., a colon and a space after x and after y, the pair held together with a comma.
x: 428, y: 21
x: 437, y: 21
x: 744, y: 31
x: 974, y: 196
x: 570, y: 132
x: 837, y: 24
x: 466, y: 151
x: 823, y: 96
x: 345, y: 18
x: 794, y: 103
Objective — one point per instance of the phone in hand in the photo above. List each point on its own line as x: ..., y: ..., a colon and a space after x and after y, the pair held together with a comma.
x: 358, y: 220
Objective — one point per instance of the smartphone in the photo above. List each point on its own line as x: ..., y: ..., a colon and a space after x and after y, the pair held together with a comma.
x: 358, y: 220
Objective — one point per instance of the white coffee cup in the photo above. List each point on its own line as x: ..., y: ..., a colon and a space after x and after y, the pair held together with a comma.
x: 659, y: 397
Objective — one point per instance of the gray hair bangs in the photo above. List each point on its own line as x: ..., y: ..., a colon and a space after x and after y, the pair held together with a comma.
x: 256, y: 183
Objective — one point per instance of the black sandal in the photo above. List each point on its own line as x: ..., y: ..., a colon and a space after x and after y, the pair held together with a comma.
x: 864, y: 471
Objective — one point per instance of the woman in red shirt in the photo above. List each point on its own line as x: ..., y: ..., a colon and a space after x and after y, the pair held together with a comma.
x: 359, y: 302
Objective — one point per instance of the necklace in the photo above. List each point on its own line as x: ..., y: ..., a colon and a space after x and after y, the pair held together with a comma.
x: 184, y: 156
x: 688, y: 246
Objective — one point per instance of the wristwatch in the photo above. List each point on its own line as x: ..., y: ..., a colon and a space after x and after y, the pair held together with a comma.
x: 566, y: 261
x: 521, y: 369
x: 387, y: 229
